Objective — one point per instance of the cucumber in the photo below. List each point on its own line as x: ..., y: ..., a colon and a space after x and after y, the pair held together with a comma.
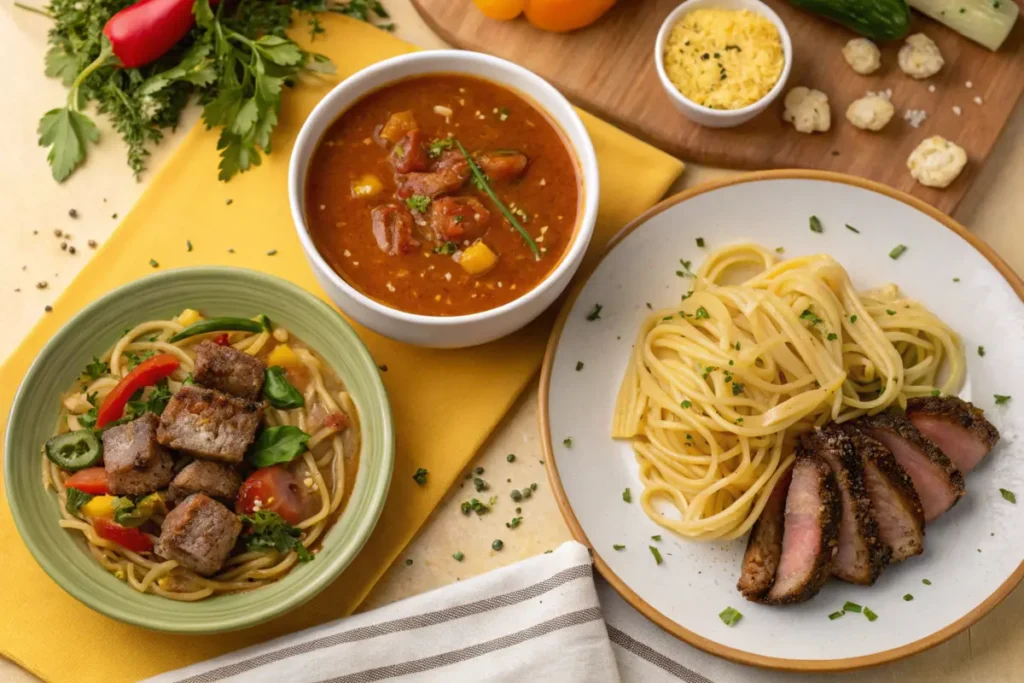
x: 875, y: 19
x: 988, y: 22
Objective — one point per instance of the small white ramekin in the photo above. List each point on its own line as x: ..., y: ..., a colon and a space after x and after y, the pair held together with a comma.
x: 462, y: 330
x: 721, y: 118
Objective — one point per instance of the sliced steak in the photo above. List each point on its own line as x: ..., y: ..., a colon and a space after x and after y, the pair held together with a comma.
x: 894, y: 499
x: 215, y: 479
x: 453, y: 219
x: 392, y: 229
x: 810, y: 532
x: 860, y: 554
x: 229, y: 370
x: 937, y: 480
x: 764, y: 547
x: 199, y: 533
x: 502, y: 165
x: 956, y: 427
x: 135, y: 463
x: 209, y: 424
x: 450, y: 174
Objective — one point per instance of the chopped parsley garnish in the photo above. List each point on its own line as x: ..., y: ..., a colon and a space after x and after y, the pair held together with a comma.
x: 702, y: 314
x: 889, y: 311
x: 458, y: 556
x: 853, y: 318
x: 480, y: 485
x: 498, y: 544
x: 579, y: 365
x: 515, y: 495
x: 627, y: 495
x: 908, y: 597
x: 926, y: 582
x: 852, y: 229
x: 418, y: 202
x: 474, y: 505
x: 836, y: 615
x: 666, y: 318
x: 619, y: 547
x: 96, y: 369
x: 153, y: 262
x: 656, y: 553
x: 700, y: 242
x: 439, y: 145
x: 869, y: 614
x: 567, y: 442
x: 76, y: 499
x: 685, y: 404
x: 135, y: 358
x: 446, y: 248
x: 421, y: 476
x: 852, y: 607
x: 656, y: 537
x: 1008, y: 495
x: 595, y: 313
x: 832, y: 336
x: 1000, y: 399
x: 729, y: 616
x: 268, y: 531
x: 816, y: 224
x: 808, y: 314
x: 956, y: 279
x: 779, y: 250
x: 737, y: 388
x: 897, y: 251
x: 511, y: 457
x: 188, y: 245
x: 516, y: 521
x: 981, y: 351
x: 936, y: 392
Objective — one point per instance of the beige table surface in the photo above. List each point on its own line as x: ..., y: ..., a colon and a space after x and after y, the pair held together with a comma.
x: 30, y: 201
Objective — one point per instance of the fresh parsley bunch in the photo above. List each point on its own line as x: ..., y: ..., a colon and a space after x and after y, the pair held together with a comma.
x: 268, y: 531
x: 235, y: 61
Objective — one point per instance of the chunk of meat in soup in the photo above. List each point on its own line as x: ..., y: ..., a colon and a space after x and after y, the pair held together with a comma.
x: 408, y: 155
x: 392, y: 228
x: 502, y: 165
x: 450, y: 174
x: 453, y: 219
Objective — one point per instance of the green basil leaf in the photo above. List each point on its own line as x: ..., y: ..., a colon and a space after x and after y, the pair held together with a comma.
x: 277, y: 445
x: 279, y: 391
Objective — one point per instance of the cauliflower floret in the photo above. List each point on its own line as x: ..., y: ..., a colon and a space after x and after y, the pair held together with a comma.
x: 936, y: 162
x: 807, y: 110
x: 870, y: 113
x: 862, y: 55
x: 920, y: 57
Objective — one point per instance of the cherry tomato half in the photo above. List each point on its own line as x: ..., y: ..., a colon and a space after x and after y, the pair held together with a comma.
x: 92, y: 480
x: 277, y: 490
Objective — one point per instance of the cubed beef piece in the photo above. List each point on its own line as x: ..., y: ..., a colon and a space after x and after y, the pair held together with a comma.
x: 199, y: 533
x: 450, y: 173
x: 408, y: 154
x: 229, y: 370
x: 209, y: 424
x: 392, y: 228
x: 453, y: 219
x: 215, y: 479
x: 502, y: 165
x: 135, y: 463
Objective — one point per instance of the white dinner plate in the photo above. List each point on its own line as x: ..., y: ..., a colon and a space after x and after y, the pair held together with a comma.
x: 974, y: 554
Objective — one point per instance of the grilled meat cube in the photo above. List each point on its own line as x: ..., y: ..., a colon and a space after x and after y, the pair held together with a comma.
x: 764, y: 546
x: 135, y: 463
x: 215, y: 479
x: 408, y: 154
x: 209, y: 424
x: 450, y: 174
x: 199, y: 533
x: 894, y: 499
x: 392, y: 228
x: 501, y: 165
x: 809, y: 534
x: 958, y: 428
x: 860, y: 555
x: 938, y: 482
x: 453, y: 219
x: 229, y: 370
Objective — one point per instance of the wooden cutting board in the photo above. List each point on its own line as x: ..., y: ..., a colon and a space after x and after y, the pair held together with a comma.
x: 608, y: 69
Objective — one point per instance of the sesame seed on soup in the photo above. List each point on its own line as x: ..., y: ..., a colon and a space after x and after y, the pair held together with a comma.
x: 392, y: 204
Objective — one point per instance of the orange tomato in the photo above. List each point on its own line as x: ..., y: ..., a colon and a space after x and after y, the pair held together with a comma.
x: 564, y: 15
x: 500, y: 9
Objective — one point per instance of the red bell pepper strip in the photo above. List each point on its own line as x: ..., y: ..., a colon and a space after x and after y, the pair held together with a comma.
x: 222, y: 339
x: 145, y: 374
x: 92, y: 480
x: 126, y: 537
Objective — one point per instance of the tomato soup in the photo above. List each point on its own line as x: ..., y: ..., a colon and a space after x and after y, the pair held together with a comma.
x: 443, y: 195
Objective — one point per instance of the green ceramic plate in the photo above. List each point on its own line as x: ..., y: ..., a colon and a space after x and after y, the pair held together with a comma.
x: 215, y: 291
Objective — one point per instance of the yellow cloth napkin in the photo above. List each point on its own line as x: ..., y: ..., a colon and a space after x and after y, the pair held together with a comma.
x: 445, y: 403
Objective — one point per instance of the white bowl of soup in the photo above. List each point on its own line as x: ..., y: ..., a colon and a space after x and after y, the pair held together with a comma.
x: 444, y: 198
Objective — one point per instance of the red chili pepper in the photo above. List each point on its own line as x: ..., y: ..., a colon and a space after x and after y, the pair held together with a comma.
x: 143, y: 32
x: 222, y: 339
x: 145, y: 374
x: 126, y: 537
x: 92, y: 480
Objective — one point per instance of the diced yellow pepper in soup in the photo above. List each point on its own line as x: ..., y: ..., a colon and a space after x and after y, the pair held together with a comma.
x: 100, y: 506
x: 284, y: 356
x: 189, y: 317
x: 399, y: 123
x: 478, y: 259
x: 367, y: 185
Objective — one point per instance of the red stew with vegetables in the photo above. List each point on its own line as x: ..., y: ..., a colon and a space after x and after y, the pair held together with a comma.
x: 443, y: 195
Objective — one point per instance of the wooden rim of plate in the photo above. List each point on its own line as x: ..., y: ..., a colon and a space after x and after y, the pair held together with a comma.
x: 733, y: 654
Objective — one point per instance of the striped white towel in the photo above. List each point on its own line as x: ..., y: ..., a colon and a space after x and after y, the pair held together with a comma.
x: 542, y: 619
